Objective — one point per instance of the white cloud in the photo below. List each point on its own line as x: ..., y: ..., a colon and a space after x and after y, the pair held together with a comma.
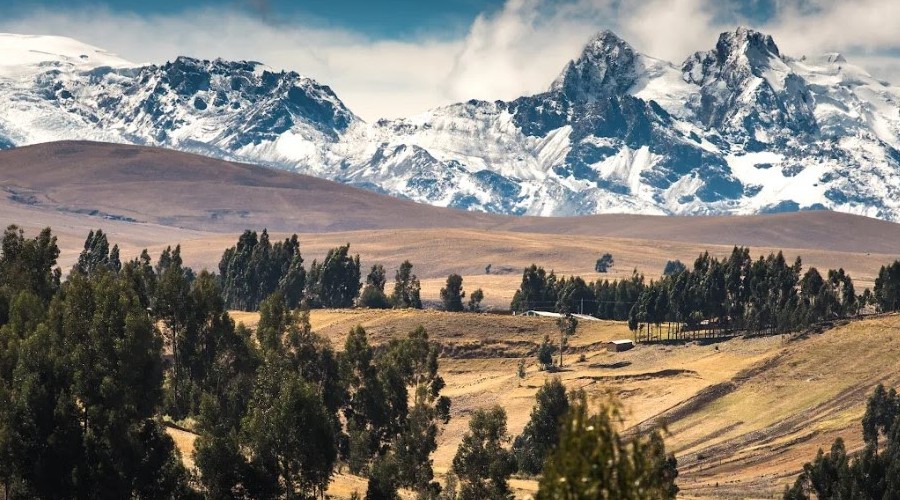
x: 672, y: 29
x: 374, y: 78
x: 515, y: 51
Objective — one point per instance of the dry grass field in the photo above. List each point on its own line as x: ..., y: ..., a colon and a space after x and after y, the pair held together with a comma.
x: 743, y: 414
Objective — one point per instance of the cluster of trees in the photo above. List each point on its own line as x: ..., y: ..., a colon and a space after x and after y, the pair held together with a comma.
x: 543, y: 291
x: 406, y: 293
x: 302, y: 407
x: 737, y: 293
x: 81, y: 379
x: 886, y: 296
x: 452, y: 296
x: 872, y: 474
x: 89, y: 366
x: 255, y: 268
x: 577, y: 453
x: 765, y: 295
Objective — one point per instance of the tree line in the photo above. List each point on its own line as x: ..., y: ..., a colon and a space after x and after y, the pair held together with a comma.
x: 254, y: 268
x: 714, y: 296
x: 89, y: 365
x: 545, y: 291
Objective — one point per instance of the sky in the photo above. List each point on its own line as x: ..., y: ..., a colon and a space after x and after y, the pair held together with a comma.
x: 394, y: 58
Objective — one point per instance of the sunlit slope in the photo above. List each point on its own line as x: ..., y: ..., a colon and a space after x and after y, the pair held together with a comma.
x: 744, y: 414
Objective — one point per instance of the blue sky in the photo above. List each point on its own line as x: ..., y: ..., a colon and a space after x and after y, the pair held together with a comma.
x: 398, y: 19
x: 401, y: 57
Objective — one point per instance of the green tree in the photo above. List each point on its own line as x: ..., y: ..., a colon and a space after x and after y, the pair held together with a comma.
x: 408, y: 369
x: 575, y: 296
x: 335, y: 282
x: 545, y: 354
x: 594, y: 461
x: 40, y: 436
x: 870, y: 474
x: 475, y: 299
x: 604, y: 263
x: 887, y: 287
x: 452, y: 294
x: 139, y: 273
x: 541, y: 433
x: 482, y: 464
x: 82, y: 397
x: 674, y: 267
x: 536, y: 292
x: 406, y: 288
x: 97, y: 255
x: 211, y: 353
x: 289, y: 433
x: 373, y: 295
x: 365, y: 411
x: 27, y: 265
x: 117, y: 383
x: 382, y: 483
x: 288, y: 336
x: 255, y: 268
x: 882, y: 411
x: 172, y: 306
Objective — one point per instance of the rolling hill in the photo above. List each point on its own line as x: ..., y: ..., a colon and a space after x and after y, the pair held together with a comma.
x: 150, y: 198
x: 142, y: 185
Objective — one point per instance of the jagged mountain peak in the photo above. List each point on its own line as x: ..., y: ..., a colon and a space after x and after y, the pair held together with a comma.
x: 749, y: 42
x: 738, y: 54
x: 607, y: 65
x: 749, y: 91
x: 605, y: 41
x: 279, y: 99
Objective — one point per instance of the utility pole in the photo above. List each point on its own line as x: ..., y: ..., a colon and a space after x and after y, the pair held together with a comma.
x: 562, y: 345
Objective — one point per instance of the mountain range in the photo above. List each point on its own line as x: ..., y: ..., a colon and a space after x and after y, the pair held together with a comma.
x: 739, y: 129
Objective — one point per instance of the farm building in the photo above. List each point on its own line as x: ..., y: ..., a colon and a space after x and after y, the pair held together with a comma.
x: 558, y: 315
x: 620, y: 345
x: 542, y: 313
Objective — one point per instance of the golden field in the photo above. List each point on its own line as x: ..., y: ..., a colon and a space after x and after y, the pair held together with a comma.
x: 743, y: 414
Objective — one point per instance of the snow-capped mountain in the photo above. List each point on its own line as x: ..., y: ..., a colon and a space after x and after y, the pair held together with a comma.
x: 741, y: 128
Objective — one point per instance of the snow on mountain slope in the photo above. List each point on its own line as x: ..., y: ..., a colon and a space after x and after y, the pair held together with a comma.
x: 741, y: 128
x: 23, y: 51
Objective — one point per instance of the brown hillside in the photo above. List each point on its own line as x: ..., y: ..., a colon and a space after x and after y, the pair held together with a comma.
x: 744, y: 414
x: 186, y: 191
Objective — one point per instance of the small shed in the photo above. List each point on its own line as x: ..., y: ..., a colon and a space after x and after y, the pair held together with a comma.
x: 620, y: 345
